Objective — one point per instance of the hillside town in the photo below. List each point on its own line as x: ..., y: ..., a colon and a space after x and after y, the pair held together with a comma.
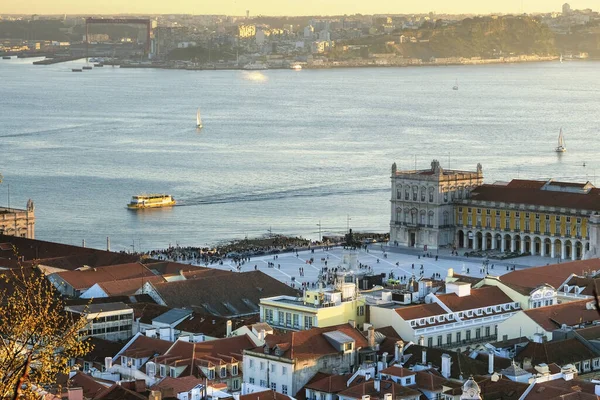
x: 481, y: 291
x: 260, y: 42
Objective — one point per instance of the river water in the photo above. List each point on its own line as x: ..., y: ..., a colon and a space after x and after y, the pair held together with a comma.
x: 281, y: 150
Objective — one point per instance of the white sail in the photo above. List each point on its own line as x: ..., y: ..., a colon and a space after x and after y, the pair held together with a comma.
x: 198, y: 119
x: 561, y: 148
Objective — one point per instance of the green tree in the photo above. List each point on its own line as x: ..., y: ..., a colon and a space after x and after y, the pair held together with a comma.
x: 37, y: 337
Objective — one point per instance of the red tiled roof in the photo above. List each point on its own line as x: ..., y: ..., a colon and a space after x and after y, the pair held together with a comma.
x: 145, y: 346
x: 368, y: 388
x: 178, y: 385
x: 127, y: 287
x: 265, y: 395
x: 213, y: 351
x: 569, y: 313
x: 84, y: 279
x: 330, y: 384
x: 553, y: 274
x: 484, y: 297
x: 420, y: 311
x: 90, y: 386
x: 398, y: 371
x: 527, y: 194
x: 310, y: 344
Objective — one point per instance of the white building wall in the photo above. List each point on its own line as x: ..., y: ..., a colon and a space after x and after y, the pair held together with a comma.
x: 520, y: 325
x: 95, y: 292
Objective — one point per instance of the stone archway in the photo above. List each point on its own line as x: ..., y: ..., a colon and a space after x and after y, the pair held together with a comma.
x: 507, y: 242
x: 578, y: 250
x: 478, y: 241
x: 461, y: 238
x: 528, y: 244
x: 557, y: 248
x: 548, y: 247
x: 537, y: 247
x: 517, y: 240
x: 488, y: 241
x: 498, y: 240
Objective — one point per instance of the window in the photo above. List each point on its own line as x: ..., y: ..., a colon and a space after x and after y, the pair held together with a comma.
x: 460, y: 219
x: 458, y: 336
x: 223, y: 372
x: 445, y: 197
x: 288, y: 319
x: 557, y: 219
x: 568, y: 219
x: 469, y: 220
x: 431, y: 195
x: 596, y: 363
x: 283, y: 370
x: 415, y: 190
x: 517, y: 214
x: 430, y: 218
x: 262, y: 365
x: 447, y: 218
x: 468, y: 334
x: 280, y: 316
x: 527, y: 215
x: 269, y: 315
x: 497, y: 213
x: 477, y: 333
x: 211, y: 373
x: 422, y: 217
x: 251, y: 363
x: 422, y: 194
x: 527, y: 225
x: 234, y: 369
x: 348, y: 346
x: 469, y: 210
x: 547, y: 227
x: 488, y: 222
x: 296, y: 319
x: 568, y: 233
x: 284, y: 389
x: 537, y: 225
x: 272, y: 368
x: 236, y: 384
x: 308, y: 322
x: 430, y: 342
x: 251, y: 381
x: 274, y: 386
x: 399, y: 194
x: 517, y: 224
x: 360, y: 310
x: 263, y: 383
x: 439, y: 340
x: 163, y: 370
x: 506, y: 223
x: 487, y: 331
x: 479, y: 211
x: 406, y: 194
x: 173, y: 373
x: 449, y: 338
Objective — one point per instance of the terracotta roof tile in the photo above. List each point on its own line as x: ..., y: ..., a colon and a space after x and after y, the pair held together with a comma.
x: 266, y: 395
x: 127, y: 287
x: 368, y: 388
x: 484, y: 297
x: 213, y: 295
x: 554, y: 274
x: 561, y: 352
x: 91, y: 388
x: 420, y: 311
x: 527, y: 194
x: 397, y: 371
x: 570, y: 313
x: 83, y: 279
x: 330, y: 384
x: 310, y: 344
x: 144, y: 346
x: 178, y: 385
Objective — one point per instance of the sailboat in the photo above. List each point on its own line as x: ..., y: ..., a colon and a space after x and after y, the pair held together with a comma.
x: 198, y: 120
x: 561, y: 143
x: 455, y: 87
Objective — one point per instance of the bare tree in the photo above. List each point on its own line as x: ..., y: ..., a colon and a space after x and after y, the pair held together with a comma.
x: 37, y: 337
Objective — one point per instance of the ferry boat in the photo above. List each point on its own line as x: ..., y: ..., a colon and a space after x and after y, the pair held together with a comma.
x: 151, y: 201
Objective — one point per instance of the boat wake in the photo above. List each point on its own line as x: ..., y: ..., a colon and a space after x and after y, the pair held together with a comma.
x: 273, y: 195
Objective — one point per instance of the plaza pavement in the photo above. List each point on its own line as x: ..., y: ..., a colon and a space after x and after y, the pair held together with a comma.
x: 287, y: 265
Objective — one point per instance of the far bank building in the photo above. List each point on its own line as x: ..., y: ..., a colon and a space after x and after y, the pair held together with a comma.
x: 435, y: 208
x: 423, y: 204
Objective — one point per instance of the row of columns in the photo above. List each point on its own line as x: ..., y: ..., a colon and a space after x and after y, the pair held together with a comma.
x: 522, y: 247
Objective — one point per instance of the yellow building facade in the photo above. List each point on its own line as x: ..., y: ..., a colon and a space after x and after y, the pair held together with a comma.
x: 317, y: 308
x: 544, y: 218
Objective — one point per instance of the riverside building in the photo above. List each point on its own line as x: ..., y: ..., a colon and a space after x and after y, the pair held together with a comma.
x: 17, y: 222
x: 434, y: 208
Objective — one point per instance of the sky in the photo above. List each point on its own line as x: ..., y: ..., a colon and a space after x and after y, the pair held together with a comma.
x: 286, y: 7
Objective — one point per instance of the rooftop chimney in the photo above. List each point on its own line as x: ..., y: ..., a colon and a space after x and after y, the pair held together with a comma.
x: 399, y: 350
x: 371, y: 337
x: 377, y: 385
x: 491, y: 362
x: 261, y: 335
x: 446, y: 365
x: 107, y: 363
x: 229, y: 326
x: 352, y: 323
x: 107, y: 243
x: 155, y: 395
x: 538, y: 337
x: 387, y: 396
x: 421, y: 341
x: 424, y: 357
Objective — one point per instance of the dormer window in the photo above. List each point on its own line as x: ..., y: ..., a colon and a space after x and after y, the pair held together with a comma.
x: 431, y: 320
x: 234, y: 370
x: 348, y: 346
x: 223, y: 372
x: 211, y: 373
x: 422, y: 321
x: 498, y: 308
x: 413, y: 323
x: 460, y: 314
x: 450, y: 317
x: 479, y: 311
x: 488, y: 310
